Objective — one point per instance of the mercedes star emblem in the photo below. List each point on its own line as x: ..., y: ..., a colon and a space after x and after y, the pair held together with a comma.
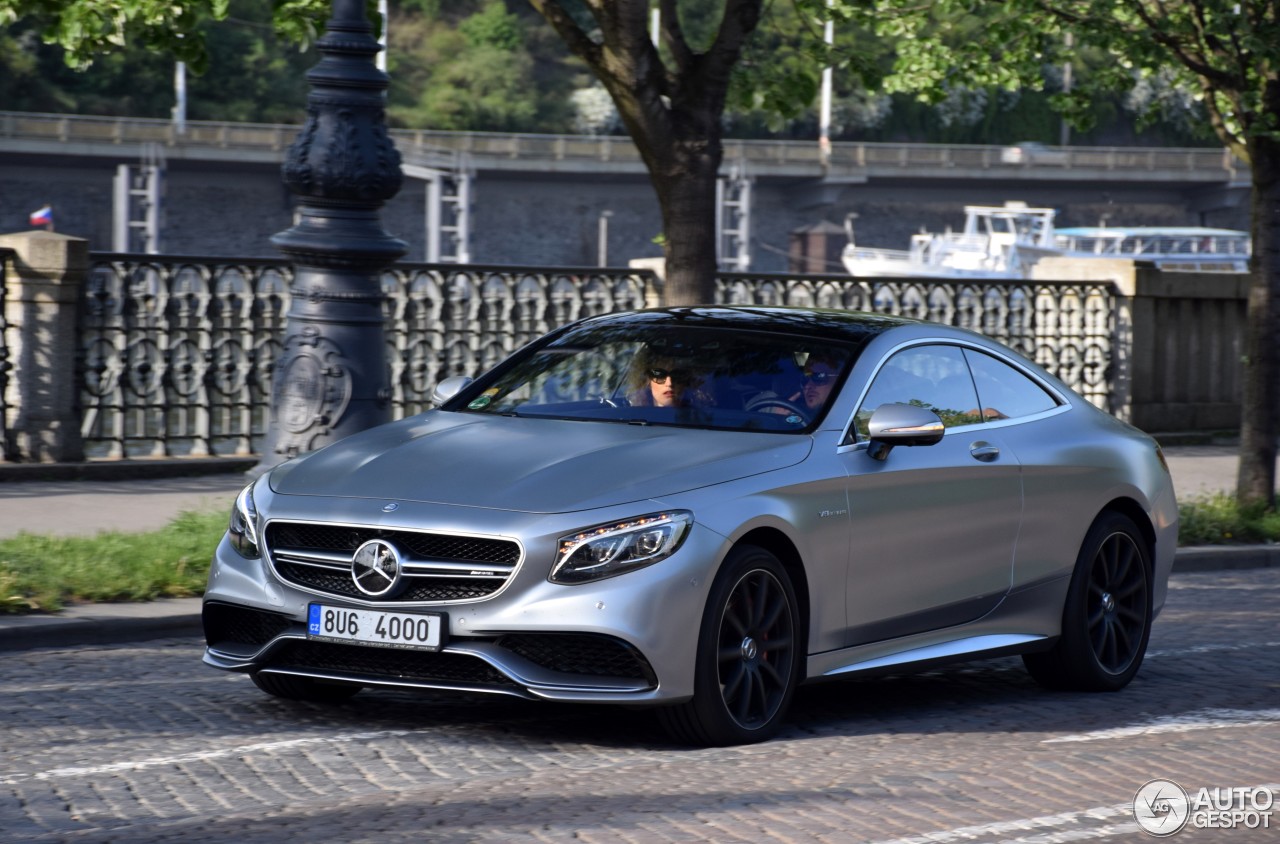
x: 375, y: 568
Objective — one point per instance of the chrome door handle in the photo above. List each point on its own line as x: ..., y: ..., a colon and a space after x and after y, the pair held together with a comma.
x: 986, y: 452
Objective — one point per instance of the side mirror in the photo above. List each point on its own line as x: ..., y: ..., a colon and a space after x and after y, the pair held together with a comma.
x: 902, y: 424
x: 448, y: 388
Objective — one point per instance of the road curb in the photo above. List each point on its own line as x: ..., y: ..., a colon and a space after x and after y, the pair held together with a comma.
x: 1223, y: 557
x: 125, y: 469
x: 97, y: 624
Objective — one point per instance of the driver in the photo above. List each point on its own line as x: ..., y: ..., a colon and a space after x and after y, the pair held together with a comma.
x: 818, y: 377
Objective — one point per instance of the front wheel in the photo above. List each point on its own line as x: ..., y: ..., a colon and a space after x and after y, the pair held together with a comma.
x: 749, y: 655
x: 1106, y: 622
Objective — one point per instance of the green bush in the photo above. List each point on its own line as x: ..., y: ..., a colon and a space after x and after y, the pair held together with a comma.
x: 1217, y: 519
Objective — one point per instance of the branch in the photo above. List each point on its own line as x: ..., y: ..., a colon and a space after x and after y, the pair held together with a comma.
x: 569, y: 31
x: 1186, y: 54
x: 673, y: 37
x: 739, y: 21
x: 1233, y: 141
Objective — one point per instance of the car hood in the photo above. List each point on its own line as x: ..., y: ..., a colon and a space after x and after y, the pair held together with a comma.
x: 531, y: 465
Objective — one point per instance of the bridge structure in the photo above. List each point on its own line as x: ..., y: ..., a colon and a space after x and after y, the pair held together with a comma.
x: 520, y: 198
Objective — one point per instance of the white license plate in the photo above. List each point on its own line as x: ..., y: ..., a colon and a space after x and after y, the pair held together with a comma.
x: 424, y: 631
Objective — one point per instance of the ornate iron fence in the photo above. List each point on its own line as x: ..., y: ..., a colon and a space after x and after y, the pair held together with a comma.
x: 7, y: 448
x: 176, y: 352
x: 1068, y: 328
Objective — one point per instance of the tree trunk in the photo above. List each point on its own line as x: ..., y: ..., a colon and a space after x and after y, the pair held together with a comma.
x: 1260, y: 402
x: 672, y: 112
x: 686, y: 189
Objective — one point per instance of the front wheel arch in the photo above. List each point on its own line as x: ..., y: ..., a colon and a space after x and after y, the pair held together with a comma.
x: 780, y: 545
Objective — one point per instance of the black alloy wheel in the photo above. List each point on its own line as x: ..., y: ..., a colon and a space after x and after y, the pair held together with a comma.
x: 748, y: 660
x: 1106, y: 622
x: 1117, y: 603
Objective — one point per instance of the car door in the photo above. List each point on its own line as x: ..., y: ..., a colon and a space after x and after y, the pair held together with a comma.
x: 934, y: 527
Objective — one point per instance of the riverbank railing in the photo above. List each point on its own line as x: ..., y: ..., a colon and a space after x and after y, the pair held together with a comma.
x: 176, y: 353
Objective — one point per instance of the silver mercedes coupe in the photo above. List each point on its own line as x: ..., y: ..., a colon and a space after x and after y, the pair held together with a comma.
x: 699, y: 509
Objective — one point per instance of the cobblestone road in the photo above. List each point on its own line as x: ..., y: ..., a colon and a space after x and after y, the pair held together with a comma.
x: 144, y: 744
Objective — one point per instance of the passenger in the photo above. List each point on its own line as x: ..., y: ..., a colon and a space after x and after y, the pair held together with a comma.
x: 661, y: 381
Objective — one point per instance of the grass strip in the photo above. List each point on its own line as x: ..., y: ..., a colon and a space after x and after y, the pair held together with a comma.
x: 45, y: 573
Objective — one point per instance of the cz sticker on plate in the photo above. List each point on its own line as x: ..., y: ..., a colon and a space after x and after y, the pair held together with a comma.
x: 421, y: 631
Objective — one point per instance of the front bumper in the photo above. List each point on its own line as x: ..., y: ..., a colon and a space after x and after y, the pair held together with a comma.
x: 558, y: 666
x: 625, y: 639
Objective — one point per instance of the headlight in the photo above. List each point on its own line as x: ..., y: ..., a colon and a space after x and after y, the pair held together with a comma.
x: 243, y: 530
x: 606, y: 550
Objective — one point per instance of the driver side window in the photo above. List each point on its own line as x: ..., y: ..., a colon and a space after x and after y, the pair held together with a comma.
x: 934, y: 377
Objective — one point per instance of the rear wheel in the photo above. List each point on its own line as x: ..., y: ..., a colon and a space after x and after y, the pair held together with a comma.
x: 1106, y: 622
x: 748, y: 659
x: 309, y: 689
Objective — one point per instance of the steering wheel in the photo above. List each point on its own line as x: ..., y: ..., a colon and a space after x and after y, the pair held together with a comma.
x: 763, y: 404
x: 615, y: 401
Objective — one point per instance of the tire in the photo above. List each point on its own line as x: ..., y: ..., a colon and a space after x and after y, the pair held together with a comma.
x: 290, y: 687
x: 1106, y: 621
x: 749, y: 654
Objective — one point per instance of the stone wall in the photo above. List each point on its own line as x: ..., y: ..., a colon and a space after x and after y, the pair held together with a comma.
x: 1182, y: 336
x: 551, y: 219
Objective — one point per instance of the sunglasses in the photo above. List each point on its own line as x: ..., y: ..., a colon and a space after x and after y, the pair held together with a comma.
x: 819, y: 377
x: 663, y: 374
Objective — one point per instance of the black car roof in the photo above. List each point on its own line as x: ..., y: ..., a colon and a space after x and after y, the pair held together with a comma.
x: 856, y: 326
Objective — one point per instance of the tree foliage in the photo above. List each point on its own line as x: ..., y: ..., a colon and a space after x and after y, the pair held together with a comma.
x: 493, y: 65
x: 87, y: 29
x: 477, y: 65
x: 1225, y: 52
x: 252, y: 76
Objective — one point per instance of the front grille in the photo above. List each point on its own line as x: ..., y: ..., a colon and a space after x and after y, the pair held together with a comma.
x: 389, y: 663
x: 471, y: 549
x: 437, y: 566
x: 581, y: 653
x: 241, y: 625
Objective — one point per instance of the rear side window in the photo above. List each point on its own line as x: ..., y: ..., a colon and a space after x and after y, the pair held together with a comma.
x: 1005, y: 392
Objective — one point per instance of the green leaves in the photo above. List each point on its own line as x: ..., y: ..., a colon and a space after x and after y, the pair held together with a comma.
x: 87, y: 29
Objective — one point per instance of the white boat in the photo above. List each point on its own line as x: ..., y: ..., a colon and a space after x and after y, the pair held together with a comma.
x: 1005, y: 241
x: 1177, y: 248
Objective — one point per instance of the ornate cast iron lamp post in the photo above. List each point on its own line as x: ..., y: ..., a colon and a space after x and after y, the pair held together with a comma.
x: 331, y: 377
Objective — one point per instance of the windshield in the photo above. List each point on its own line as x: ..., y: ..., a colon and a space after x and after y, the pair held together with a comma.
x: 668, y: 375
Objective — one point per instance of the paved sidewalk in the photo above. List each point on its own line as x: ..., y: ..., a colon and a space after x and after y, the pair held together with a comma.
x: 86, y: 507
x: 1202, y: 469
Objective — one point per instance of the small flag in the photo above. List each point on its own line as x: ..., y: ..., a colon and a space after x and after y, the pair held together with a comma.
x: 43, y: 217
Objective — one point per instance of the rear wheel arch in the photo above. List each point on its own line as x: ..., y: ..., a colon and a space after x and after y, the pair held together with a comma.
x: 1132, y: 509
